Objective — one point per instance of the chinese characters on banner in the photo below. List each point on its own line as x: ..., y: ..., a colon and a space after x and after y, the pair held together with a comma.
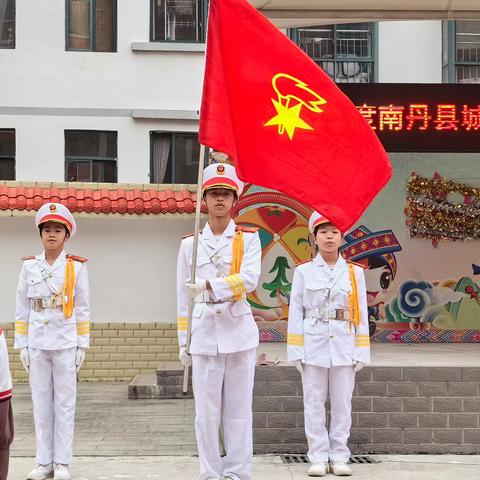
x: 421, y: 116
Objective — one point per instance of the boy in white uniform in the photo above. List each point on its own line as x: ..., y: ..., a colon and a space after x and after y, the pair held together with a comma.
x: 328, y: 339
x: 52, y: 329
x: 224, y: 333
x: 6, y: 416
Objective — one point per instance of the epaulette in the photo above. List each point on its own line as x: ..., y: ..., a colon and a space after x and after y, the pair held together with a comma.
x: 190, y: 234
x: 29, y: 257
x: 361, y: 265
x: 243, y: 228
x: 77, y: 258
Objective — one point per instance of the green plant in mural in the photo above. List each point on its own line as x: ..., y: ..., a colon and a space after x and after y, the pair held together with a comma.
x: 309, y: 247
x: 279, y: 285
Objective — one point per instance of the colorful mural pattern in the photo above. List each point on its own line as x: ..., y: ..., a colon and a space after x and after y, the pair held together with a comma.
x: 412, y: 311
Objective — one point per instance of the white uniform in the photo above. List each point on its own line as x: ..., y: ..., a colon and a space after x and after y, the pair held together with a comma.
x: 224, y: 339
x: 329, y: 349
x: 52, y: 341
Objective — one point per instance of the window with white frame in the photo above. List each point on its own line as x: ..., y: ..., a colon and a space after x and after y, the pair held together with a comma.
x: 90, y: 156
x: 178, y: 20
x: 7, y: 154
x: 174, y: 157
x: 467, y: 51
x: 345, y: 51
x: 7, y: 23
x: 91, y: 25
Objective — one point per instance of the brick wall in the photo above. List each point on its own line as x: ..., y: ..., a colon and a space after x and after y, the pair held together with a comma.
x: 395, y: 410
x: 118, y: 351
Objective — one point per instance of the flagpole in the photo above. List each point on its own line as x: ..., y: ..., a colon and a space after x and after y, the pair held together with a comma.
x: 198, y: 209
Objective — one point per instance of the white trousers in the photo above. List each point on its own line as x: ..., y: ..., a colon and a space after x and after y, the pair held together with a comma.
x: 223, y: 388
x: 338, y: 383
x: 53, y: 382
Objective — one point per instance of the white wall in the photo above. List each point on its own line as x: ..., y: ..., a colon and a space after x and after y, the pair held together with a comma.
x: 39, y: 72
x: 40, y: 150
x: 132, y: 264
x: 410, y: 52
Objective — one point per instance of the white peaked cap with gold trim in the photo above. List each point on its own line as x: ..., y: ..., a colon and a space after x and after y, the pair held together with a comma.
x: 56, y: 212
x: 221, y: 175
x: 316, y: 219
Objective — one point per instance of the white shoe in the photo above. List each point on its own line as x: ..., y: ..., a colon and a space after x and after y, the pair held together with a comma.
x: 340, y: 468
x: 41, y: 472
x: 317, y: 470
x: 61, y: 472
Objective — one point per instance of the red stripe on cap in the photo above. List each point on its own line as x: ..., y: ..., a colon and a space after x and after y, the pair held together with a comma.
x: 320, y: 221
x: 56, y: 218
x: 220, y: 182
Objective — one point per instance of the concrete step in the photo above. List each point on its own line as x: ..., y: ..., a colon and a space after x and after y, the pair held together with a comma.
x: 165, y: 383
x: 395, y: 409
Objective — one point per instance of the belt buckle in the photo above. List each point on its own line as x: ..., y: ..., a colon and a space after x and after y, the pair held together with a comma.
x: 37, y: 304
x: 54, y: 300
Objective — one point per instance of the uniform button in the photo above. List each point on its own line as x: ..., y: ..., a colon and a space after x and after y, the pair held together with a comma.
x: 219, y: 274
x: 45, y: 322
x: 218, y: 312
x: 331, y: 336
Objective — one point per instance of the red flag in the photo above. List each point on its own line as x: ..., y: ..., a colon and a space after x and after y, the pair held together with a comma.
x: 283, y: 121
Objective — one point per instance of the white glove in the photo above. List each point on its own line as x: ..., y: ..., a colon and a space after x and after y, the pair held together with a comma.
x: 358, y: 366
x: 195, y: 288
x: 185, y: 358
x: 299, y: 366
x: 80, y: 358
x: 25, y: 359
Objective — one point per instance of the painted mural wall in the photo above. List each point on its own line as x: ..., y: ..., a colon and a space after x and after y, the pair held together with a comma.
x: 418, y: 289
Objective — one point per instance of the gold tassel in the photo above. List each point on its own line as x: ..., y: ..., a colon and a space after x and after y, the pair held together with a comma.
x: 353, y: 298
x: 68, y: 288
x: 237, y: 256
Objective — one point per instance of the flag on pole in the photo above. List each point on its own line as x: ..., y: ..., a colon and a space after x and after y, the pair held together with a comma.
x: 282, y: 120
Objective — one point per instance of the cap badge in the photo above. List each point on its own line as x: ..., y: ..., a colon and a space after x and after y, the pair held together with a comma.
x: 220, y: 170
x: 53, y: 208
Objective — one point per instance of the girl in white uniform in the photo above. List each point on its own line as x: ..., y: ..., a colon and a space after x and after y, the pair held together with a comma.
x: 328, y: 341
x: 52, y: 331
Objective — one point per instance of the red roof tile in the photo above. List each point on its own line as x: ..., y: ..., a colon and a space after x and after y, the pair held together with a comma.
x: 137, y: 200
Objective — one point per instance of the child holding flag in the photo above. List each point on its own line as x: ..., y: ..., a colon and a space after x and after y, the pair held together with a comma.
x: 224, y: 333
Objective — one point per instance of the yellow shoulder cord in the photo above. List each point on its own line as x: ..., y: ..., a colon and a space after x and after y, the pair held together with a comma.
x: 68, y: 288
x: 237, y: 256
x: 353, y: 298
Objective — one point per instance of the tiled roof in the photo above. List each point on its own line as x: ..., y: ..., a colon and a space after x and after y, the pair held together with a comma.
x: 98, y: 198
